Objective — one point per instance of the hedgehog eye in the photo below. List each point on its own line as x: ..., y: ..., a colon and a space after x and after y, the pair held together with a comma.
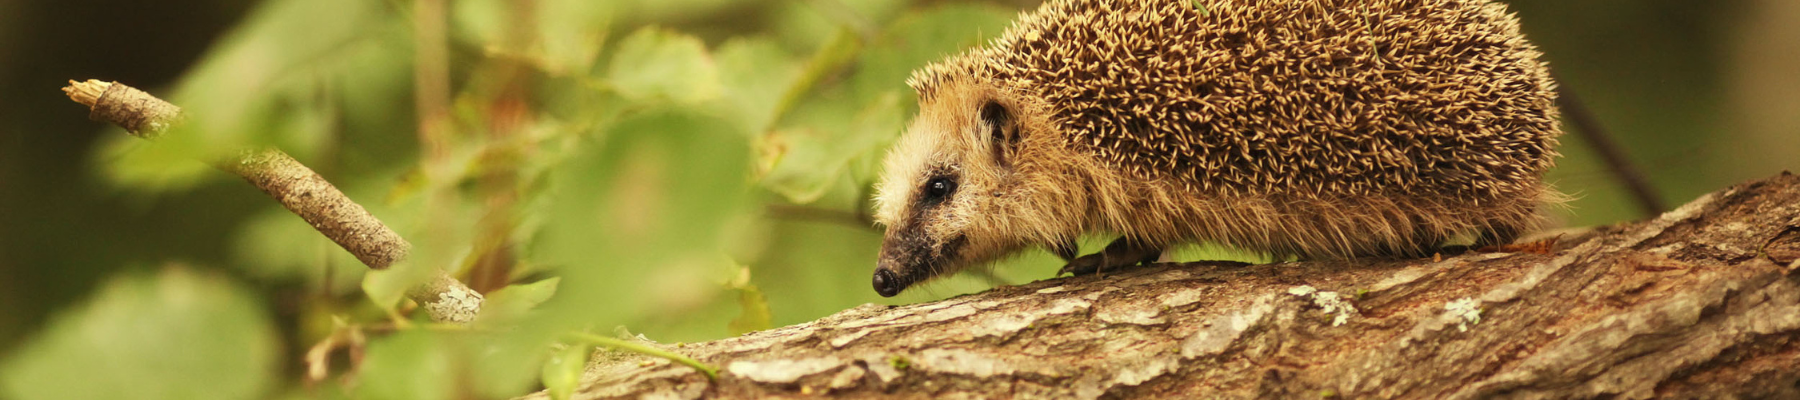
x: 939, y: 188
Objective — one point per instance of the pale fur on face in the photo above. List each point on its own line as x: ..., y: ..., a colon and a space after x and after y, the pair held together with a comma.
x: 986, y: 211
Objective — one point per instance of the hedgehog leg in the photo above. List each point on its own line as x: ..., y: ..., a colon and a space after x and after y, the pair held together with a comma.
x: 1121, y: 253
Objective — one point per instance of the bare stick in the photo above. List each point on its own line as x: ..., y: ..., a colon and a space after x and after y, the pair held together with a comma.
x: 143, y: 115
x: 809, y: 213
x: 447, y: 299
x: 319, y: 203
x: 295, y: 186
x: 848, y: 17
x: 1590, y: 130
x: 431, y: 77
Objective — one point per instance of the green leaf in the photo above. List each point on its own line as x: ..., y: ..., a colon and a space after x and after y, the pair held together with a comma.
x: 562, y: 371
x: 757, y: 75
x: 814, y: 160
x: 506, y: 364
x: 636, y: 214
x: 567, y: 39
x: 436, y: 364
x: 275, y: 245
x: 413, y: 364
x: 437, y: 242
x: 654, y: 63
x: 386, y: 287
x: 823, y: 152
x: 646, y: 11
x: 571, y: 32
x: 516, y: 301
x: 273, y: 81
x: 756, y: 315
x: 483, y: 23
x: 923, y: 37
x: 409, y: 185
x: 802, y: 167
x: 173, y: 335
x: 833, y: 57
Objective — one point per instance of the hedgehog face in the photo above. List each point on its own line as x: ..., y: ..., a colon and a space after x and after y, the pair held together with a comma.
x: 945, y: 189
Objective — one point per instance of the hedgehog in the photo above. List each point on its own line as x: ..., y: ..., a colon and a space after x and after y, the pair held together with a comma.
x: 1305, y: 129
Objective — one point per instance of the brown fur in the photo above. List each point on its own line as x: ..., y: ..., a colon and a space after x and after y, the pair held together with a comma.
x: 1322, y: 129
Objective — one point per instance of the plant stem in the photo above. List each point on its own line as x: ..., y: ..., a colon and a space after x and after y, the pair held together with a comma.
x: 626, y: 345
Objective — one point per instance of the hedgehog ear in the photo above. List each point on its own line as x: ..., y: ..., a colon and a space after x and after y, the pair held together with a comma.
x: 1003, y: 135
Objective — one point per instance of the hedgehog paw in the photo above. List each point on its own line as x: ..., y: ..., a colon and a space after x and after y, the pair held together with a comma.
x: 1121, y: 253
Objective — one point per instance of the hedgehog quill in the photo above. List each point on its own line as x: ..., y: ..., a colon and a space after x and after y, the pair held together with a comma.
x: 1308, y: 128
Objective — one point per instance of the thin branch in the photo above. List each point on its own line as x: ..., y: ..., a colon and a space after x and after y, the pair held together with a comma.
x: 315, y: 200
x: 431, y: 77
x: 141, y: 114
x: 816, y: 214
x: 447, y: 299
x: 848, y: 18
x: 318, y: 357
x: 292, y: 184
x: 1590, y: 130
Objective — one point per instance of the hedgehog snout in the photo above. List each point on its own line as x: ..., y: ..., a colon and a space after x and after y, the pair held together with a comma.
x: 896, y: 269
x: 887, y: 283
x: 905, y: 252
x: 906, y: 258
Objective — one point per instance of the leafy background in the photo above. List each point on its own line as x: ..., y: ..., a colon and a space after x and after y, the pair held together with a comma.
x: 687, y: 170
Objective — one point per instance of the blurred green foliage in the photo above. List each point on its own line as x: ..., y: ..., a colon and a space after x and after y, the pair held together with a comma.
x: 148, y: 337
x: 617, y: 171
x: 687, y: 169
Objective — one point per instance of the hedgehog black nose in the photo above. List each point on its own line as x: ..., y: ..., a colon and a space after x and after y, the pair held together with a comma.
x: 887, y: 284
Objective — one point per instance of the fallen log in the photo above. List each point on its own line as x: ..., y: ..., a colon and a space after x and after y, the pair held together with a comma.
x: 1700, y: 302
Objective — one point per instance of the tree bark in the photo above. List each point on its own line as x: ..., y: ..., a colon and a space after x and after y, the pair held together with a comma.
x: 1701, y: 302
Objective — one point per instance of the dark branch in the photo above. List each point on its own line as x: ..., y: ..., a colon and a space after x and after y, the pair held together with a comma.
x: 816, y: 214
x: 1590, y: 130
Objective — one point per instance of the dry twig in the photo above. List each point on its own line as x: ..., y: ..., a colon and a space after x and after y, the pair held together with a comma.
x: 295, y: 186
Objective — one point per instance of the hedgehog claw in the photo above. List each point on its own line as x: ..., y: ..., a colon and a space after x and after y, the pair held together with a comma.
x: 1121, y: 253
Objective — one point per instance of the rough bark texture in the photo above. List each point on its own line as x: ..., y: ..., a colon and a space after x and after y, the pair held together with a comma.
x: 1701, y: 302
x: 139, y: 113
x: 315, y: 200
